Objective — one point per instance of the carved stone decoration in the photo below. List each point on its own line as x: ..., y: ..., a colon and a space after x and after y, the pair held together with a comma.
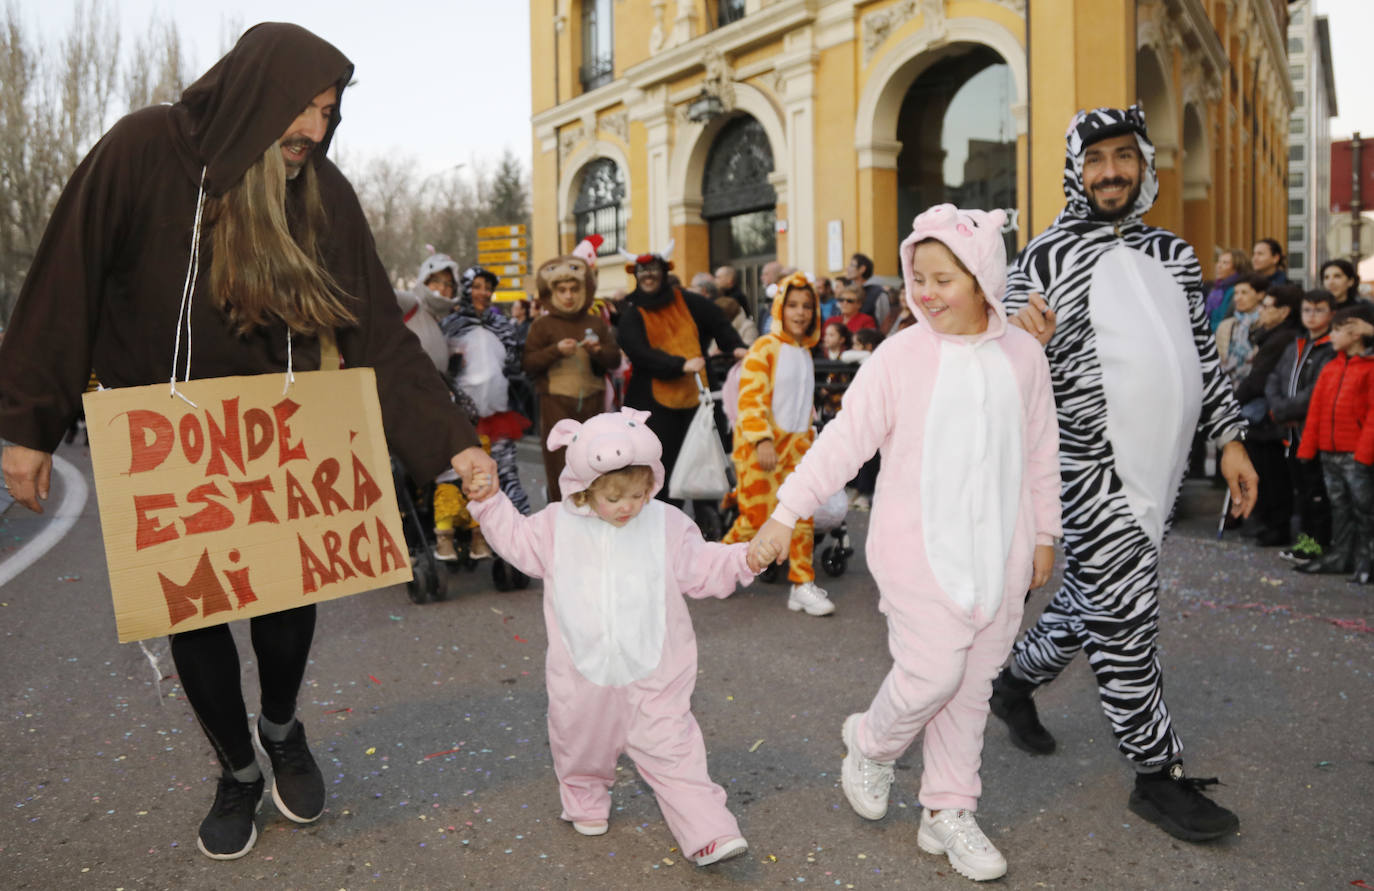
x: 720, y: 77
x: 659, y: 33
x: 879, y: 25
x: 617, y: 123
x: 568, y: 138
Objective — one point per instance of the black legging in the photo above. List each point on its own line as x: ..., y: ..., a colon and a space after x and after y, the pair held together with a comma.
x: 208, y: 663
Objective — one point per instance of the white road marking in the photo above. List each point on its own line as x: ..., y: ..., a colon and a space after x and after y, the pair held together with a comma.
x: 74, y: 494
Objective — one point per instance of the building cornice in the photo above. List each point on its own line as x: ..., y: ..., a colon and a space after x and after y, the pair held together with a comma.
x: 1274, y: 42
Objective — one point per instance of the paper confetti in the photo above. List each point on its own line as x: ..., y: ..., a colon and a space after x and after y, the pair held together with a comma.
x: 755, y: 746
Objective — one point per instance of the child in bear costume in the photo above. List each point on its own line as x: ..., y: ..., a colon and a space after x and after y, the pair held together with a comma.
x: 622, y: 658
x: 965, y: 513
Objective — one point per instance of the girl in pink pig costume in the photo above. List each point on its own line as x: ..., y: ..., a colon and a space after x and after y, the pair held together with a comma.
x: 622, y: 657
x: 964, y: 519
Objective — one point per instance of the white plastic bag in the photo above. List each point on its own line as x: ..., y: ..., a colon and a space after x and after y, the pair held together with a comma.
x: 483, y: 377
x: 700, y: 471
x: 832, y: 512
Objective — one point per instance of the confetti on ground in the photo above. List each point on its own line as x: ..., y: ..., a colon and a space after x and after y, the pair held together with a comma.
x: 497, y: 611
x: 69, y: 578
x: 1356, y: 625
x: 373, y: 678
x: 755, y: 746
x: 444, y: 752
x: 520, y: 639
x: 336, y: 711
x: 372, y: 750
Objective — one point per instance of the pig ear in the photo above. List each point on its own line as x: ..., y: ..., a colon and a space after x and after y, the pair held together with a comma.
x: 639, y: 416
x: 564, y: 432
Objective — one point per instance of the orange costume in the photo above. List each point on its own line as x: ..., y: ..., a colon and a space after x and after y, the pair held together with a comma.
x: 776, y: 387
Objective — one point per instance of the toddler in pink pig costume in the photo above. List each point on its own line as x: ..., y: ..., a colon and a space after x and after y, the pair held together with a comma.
x: 964, y: 519
x: 622, y: 658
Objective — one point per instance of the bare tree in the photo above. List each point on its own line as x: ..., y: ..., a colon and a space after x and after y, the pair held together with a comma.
x: 158, y: 70
x: 52, y: 109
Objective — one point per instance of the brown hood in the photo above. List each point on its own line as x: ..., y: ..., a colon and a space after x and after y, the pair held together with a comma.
x: 238, y: 108
x: 558, y: 269
x: 794, y: 281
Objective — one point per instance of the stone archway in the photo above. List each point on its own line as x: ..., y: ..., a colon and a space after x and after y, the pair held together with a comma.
x: 879, y: 109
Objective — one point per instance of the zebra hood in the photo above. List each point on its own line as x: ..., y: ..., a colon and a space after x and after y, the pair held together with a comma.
x: 1088, y: 127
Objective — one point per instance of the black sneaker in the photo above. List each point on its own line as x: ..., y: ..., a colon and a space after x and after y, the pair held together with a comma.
x: 1011, y: 701
x: 228, y: 831
x: 297, y: 784
x: 1175, y: 803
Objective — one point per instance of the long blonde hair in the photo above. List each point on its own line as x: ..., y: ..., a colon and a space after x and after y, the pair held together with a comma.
x: 266, y: 264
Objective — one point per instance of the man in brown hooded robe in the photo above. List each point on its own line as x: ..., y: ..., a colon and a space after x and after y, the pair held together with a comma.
x: 235, y: 173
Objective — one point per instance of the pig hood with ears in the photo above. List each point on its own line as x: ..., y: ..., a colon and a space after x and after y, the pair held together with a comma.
x: 606, y: 442
x: 975, y: 237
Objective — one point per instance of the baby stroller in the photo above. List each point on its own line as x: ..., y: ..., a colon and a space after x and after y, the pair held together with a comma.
x: 429, y: 582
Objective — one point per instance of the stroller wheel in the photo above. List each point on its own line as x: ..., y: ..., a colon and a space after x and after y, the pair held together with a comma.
x: 506, y: 577
x: 423, y: 586
x: 834, y: 561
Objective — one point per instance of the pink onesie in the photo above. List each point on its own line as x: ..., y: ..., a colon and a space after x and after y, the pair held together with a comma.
x: 969, y: 484
x: 622, y: 658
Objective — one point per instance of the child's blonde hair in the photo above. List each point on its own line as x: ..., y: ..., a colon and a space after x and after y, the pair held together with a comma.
x: 615, y: 483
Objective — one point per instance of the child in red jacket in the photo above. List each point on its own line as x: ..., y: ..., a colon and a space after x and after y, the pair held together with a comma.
x: 1340, y: 425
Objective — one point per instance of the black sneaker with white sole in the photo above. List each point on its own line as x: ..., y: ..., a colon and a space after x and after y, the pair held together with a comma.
x: 1175, y: 803
x: 297, y: 784
x: 229, y: 831
x: 1011, y: 701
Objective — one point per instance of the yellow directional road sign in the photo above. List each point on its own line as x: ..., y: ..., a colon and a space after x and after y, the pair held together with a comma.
x: 502, y: 244
x: 512, y: 283
x: 486, y: 259
x: 500, y: 231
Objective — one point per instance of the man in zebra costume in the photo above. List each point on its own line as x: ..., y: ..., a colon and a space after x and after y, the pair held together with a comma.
x: 1119, y: 307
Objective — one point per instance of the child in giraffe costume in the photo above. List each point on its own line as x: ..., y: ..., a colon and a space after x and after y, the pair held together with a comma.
x: 773, y: 431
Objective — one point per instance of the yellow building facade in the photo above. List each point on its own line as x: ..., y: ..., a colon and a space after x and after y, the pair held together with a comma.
x: 808, y: 130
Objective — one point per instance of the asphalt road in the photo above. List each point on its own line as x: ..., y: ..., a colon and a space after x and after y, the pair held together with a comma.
x: 429, y: 725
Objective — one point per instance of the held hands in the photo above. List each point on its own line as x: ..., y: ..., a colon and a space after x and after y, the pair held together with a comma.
x: 1042, y: 565
x: 693, y: 365
x: 1241, y: 477
x: 767, y: 455
x: 769, y: 546
x: 478, y: 471
x: 27, y: 475
x: 1037, y: 318
x: 741, y: 352
x: 567, y: 346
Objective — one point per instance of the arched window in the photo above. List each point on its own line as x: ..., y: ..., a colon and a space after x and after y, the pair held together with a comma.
x: 728, y: 11
x: 598, y: 44
x: 738, y: 202
x: 958, y: 137
x: 599, y: 209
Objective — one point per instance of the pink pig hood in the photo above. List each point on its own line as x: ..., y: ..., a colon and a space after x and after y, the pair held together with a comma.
x: 975, y: 237
x: 607, y: 442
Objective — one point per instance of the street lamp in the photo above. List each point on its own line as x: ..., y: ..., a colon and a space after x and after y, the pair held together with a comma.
x: 704, y: 107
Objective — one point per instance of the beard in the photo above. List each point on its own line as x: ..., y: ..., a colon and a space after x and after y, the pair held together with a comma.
x: 1112, y: 215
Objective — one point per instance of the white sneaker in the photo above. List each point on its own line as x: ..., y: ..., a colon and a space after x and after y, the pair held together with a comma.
x: 955, y: 833
x: 810, y: 597
x: 591, y: 827
x: 866, y: 782
x: 720, y: 849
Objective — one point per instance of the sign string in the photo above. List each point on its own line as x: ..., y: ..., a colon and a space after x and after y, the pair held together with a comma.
x: 192, y: 272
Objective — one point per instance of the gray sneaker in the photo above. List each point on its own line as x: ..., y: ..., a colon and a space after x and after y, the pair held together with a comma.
x: 810, y: 597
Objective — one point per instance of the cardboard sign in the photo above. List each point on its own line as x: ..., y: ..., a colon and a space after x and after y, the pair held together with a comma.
x: 250, y: 503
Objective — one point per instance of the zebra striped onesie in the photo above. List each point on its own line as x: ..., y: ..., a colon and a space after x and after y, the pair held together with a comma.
x: 1135, y: 372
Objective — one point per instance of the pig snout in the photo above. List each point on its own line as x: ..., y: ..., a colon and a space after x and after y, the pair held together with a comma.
x: 609, y: 452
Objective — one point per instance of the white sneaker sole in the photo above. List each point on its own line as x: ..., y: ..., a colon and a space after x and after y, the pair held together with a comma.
x: 599, y: 827
x: 850, y: 775
x: 822, y: 610
x: 733, y: 848
x: 252, y: 840
x: 931, y: 845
